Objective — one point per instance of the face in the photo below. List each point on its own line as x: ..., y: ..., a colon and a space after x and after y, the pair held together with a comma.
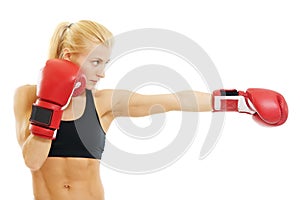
x: 93, y: 64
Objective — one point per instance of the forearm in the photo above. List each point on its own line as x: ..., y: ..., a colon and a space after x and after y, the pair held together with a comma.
x: 35, y: 151
x: 192, y: 101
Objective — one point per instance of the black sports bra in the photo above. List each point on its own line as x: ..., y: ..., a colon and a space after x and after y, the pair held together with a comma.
x: 83, y: 137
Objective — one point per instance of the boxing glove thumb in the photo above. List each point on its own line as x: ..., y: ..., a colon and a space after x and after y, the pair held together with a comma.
x: 80, y: 84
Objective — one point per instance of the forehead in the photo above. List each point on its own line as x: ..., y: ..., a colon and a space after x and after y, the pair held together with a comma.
x: 100, y: 51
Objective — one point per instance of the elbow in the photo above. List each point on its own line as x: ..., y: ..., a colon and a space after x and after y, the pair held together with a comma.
x: 35, y: 153
x: 32, y: 165
x: 32, y: 162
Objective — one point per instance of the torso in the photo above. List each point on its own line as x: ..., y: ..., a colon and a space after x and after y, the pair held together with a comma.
x: 65, y: 178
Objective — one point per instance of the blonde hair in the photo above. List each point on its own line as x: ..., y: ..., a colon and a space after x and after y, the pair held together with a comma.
x: 78, y: 37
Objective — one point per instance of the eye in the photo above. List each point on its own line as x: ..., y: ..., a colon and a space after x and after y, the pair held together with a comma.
x: 96, y: 62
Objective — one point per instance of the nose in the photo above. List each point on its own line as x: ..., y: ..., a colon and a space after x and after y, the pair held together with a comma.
x: 100, y: 75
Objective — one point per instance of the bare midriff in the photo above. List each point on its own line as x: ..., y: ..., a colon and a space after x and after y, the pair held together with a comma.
x: 68, y: 179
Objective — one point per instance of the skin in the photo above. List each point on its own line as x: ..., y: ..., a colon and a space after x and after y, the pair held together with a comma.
x: 64, y: 178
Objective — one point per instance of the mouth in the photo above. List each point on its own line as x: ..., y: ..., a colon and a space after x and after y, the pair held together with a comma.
x: 94, y: 81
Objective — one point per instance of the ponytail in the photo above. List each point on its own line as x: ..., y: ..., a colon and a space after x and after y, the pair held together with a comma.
x: 56, y: 42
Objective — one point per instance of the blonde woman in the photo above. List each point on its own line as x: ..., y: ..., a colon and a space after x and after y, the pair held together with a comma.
x: 61, y: 123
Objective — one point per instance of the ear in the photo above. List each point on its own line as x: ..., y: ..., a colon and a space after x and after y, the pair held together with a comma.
x: 66, y: 54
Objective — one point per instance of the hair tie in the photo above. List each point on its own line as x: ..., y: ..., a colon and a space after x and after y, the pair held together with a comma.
x: 69, y: 26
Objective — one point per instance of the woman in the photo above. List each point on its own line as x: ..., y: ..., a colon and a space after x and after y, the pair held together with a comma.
x: 66, y: 167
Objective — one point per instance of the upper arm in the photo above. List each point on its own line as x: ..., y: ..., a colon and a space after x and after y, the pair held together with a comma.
x: 132, y: 104
x: 24, y: 97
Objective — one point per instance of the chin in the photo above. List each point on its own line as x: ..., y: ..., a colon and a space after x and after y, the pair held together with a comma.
x: 90, y: 87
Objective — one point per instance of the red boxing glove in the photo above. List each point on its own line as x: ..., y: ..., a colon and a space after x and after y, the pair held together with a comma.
x: 267, y: 107
x: 58, y: 82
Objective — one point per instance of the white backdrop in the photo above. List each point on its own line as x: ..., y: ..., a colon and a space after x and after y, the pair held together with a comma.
x: 252, y: 43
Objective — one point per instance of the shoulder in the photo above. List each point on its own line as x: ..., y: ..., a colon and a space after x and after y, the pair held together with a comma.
x: 102, y: 93
x: 103, y: 97
x: 26, y: 90
x: 112, y: 95
x: 24, y: 95
x: 111, y: 100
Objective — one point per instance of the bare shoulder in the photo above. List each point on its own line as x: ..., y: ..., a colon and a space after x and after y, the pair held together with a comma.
x: 110, y: 100
x: 102, y: 101
x: 103, y: 93
x: 102, y: 96
x: 26, y: 90
x: 24, y: 96
x: 112, y: 96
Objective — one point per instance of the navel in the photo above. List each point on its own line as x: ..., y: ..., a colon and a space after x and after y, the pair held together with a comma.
x: 67, y: 186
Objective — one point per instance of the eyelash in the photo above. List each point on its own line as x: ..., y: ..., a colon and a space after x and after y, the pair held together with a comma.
x: 97, y: 62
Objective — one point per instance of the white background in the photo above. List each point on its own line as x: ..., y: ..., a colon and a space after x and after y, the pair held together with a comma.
x: 252, y: 43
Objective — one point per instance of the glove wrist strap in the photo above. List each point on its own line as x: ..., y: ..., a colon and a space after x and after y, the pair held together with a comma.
x: 231, y: 100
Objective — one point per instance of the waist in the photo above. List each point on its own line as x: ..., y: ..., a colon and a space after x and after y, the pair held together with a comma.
x: 68, y: 178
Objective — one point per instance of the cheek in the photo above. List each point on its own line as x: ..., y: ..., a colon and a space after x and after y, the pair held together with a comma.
x: 88, y: 71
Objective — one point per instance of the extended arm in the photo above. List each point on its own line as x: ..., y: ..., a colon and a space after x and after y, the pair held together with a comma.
x: 266, y: 106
